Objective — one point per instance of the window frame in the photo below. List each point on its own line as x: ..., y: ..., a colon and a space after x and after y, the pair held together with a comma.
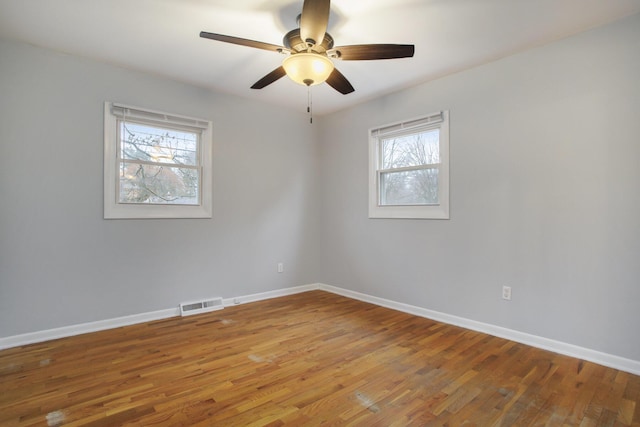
x: 113, y: 209
x: 439, y: 120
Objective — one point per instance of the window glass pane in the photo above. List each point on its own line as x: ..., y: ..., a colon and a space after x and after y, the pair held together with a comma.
x: 411, y: 150
x: 417, y: 187
x: 155, y: 144
x: 141, y: 183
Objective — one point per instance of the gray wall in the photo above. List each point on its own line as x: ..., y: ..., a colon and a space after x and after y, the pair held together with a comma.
x: 62, y: 264
x: 545, y: 197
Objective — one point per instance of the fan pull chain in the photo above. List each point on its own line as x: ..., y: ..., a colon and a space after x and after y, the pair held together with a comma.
x: 310, y: 104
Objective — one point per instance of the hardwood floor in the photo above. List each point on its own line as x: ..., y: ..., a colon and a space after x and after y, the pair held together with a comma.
x: 305, y: 360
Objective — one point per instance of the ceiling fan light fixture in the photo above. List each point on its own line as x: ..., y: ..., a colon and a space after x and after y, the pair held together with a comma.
x: 307, y: 68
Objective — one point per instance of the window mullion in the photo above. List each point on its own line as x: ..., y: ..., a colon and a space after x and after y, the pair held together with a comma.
x: 410, y: 168
x: 169, y: 165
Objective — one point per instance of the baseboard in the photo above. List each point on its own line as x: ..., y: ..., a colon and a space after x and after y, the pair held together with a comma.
x: 85, y: 328
x: 101, y: 325
x: 612, y: 361
x: 269, y: 294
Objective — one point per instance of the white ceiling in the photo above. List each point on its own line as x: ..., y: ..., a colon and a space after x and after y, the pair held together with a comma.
x: 162, y: 37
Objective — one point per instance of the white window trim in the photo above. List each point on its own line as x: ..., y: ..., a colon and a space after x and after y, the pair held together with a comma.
x: 438, y: 120
x: 115, y: 210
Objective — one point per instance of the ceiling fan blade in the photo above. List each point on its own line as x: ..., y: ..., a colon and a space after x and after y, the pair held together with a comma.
x: 314, y: 20
x: 241, y: 42
x: 276, y: 74
x: 374, y: 51
x: 339, y: 82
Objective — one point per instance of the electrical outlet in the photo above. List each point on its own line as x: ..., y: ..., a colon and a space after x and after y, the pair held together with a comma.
x: 280, y: 267
x: 506, y: 293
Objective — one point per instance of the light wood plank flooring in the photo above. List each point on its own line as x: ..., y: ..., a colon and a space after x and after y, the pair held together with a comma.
x: 306, y: 360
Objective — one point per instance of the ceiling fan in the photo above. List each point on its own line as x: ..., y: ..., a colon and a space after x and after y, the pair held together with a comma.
x: 310, y: 49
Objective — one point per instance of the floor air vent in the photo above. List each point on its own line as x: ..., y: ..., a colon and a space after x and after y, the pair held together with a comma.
x: 197, y: 307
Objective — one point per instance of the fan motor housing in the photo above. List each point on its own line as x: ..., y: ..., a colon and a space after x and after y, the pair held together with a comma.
x: 292, y: 40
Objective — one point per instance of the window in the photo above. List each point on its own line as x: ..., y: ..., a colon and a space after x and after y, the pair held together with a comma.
x: 156, y: 165
x: 409, y: 169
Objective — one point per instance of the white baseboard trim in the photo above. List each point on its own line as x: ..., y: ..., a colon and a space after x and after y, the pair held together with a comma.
x: 101, y: 325
x: 269, y: 294
x: 612, y: 361
x: 84, y: 328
